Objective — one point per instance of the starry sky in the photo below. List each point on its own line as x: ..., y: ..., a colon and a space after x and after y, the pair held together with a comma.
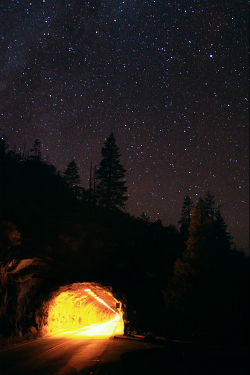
x: 168, y: 78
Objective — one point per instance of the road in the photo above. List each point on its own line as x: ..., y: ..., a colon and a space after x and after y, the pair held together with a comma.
x: 74, y: 352
x: 95, y: 350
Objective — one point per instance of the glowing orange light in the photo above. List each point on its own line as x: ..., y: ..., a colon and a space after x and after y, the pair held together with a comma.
x: 99, y: 299
x: 80, y: 312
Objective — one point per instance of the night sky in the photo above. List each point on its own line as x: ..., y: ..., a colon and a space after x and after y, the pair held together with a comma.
x: 169, y: 78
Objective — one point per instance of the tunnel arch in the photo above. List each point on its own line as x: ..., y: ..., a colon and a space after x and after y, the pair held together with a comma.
x: 80, y: 305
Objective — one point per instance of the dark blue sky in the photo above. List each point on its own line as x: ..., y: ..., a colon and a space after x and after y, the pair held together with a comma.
x: 169, y: 78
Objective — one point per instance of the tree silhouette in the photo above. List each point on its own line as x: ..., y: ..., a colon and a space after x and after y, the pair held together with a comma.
x: 185, y: 296
x: 210, y: 205
x: 201, y: 297
x: 222, y: 238
x: 72, y: 176
x: 111, y: 189
x: 35, y: 151
x: 198, y: 245
x: 185, y: 217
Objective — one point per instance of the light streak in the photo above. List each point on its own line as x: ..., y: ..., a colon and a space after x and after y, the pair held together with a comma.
x: 76, y: 311
x: 89, y: 291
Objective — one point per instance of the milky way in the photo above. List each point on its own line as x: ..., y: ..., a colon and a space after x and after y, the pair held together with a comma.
x: 169, y: 78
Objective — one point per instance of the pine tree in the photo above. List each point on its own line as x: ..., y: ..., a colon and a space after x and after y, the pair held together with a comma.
x: 186, y: 294
x: 35, y: 151
x: 185, y: 217
x: 222, y: 238
x: 72, y: 176
x: 198, y: 291
x: 200, y: 232
x: 210, y: 205
x: 190, y: 267
x: 111, y: 189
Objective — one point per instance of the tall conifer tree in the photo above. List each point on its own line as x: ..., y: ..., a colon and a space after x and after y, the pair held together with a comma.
x: 72, y: 176
x: 202, y: 296
x: 210, y: 205
x: 185, y: 217
x: 35, y: 151
x: 111, y: 190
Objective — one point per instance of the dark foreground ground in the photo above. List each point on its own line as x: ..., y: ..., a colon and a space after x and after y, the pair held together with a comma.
x: 121, y: 355
x: 179, y: 358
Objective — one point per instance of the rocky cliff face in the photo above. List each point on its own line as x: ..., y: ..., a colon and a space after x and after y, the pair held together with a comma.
x: 32, y: 305
x: 20, y: 289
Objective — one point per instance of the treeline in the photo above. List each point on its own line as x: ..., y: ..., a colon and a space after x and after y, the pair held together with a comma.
x: 178, y: 283
x: 208, y: 295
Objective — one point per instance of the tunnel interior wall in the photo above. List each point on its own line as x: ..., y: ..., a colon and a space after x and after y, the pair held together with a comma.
x: 72, y: 307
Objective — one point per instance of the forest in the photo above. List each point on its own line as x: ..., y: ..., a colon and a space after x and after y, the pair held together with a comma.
x: 187, y: 283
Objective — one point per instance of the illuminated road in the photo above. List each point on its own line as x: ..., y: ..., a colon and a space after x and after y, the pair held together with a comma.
x: 73, y: 352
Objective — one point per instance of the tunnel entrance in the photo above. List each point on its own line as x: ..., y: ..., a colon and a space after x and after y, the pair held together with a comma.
x: 84, y: 309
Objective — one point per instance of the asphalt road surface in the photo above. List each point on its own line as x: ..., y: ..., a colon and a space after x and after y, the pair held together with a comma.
x: 95, y: 351
x: 75, y: 352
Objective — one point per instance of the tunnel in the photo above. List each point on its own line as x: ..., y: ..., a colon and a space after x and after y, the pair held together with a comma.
x: 83, y: 309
